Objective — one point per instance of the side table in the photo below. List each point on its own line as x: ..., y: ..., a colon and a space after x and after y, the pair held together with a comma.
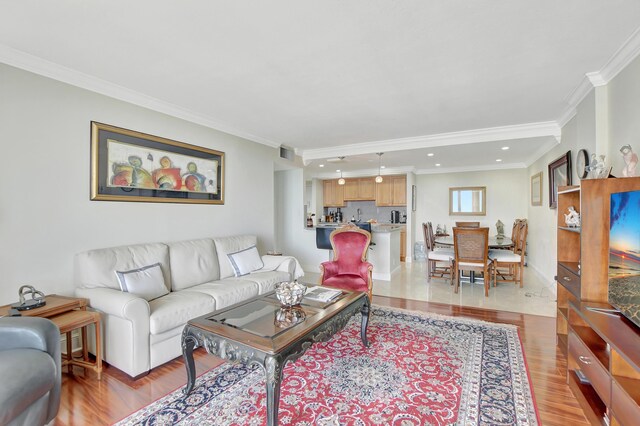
x: 69, y: 313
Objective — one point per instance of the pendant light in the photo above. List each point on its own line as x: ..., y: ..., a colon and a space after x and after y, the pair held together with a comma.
x: 341, y: 181
x: 379, y: 177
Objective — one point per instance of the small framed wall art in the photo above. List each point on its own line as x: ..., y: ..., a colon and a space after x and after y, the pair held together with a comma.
x: 131, y: 166
x: 536, y: 189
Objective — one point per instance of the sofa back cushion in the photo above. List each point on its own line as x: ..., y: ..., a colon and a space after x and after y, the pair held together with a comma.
x: 228, y: 245
x: 96, y: 268
x: 193, y: 262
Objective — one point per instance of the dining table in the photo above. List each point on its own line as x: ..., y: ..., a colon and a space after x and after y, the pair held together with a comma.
x: 495, y: 242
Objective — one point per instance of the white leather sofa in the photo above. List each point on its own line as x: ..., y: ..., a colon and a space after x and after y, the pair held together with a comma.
x: 139, y: 334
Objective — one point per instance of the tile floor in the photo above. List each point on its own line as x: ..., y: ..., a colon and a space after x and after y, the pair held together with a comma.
x: 536, y: 297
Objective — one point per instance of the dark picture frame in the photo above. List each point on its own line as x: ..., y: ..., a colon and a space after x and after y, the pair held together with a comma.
x: 132, y: 166
x: 559, y: 175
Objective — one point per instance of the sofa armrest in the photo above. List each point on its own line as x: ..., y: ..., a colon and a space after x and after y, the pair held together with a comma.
x: 126, y: 324
x: 115, y: 302
x: 40, y: 334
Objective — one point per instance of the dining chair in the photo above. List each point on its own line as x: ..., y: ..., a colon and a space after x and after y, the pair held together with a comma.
x: 471, y: 253
x: 349, y: 269
x: 437, y: 255
x: 468, y: 224
x: 509, y: 265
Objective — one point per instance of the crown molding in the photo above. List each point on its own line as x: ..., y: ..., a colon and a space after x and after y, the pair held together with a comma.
x: 361, y: 173
x: 541, y: 151
x: 441, y: 170
x: 629, y: 50
x: 519, y: 131
x: 28, y: 62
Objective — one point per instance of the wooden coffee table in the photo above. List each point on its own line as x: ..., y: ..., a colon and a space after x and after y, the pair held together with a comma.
x: 260, y: 331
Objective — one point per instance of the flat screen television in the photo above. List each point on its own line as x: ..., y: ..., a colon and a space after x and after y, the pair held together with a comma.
x: 624, y: 254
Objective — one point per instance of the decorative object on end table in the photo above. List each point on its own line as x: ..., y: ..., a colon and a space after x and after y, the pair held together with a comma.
x: 37, y: 298
x: 559, y: 175
x: 572, y: 219
x: 536, y: 189
x: 290, y: 293
x: 500, y: 229
x: 630, y: 161
x: 582, y: 161
x: 131, y: 166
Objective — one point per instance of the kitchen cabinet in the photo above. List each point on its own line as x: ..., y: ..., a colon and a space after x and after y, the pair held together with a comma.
x: 360, y: 189
x: 392, y: 191
x: 332, y: 193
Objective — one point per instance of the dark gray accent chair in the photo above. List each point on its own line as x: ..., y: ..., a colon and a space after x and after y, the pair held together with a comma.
x: 30, y: 375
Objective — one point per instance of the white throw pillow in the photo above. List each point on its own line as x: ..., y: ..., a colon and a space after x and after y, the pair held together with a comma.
x: 245, y: 261
x: 146, y: 282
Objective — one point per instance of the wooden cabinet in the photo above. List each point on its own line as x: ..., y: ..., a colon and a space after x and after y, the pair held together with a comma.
x: 603, y: 361
x: 403, y: 244
x: 360, y: 189
x: 332, y: 193
x: 392, y: 191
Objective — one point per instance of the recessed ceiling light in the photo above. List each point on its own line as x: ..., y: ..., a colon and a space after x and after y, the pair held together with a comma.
x: 382, y: 167
x: 437, y: 164
x: 504, y: 148
x: 499, y: 160
x: 321, y: 165
x: 430, y: 154
x: 338, y: 171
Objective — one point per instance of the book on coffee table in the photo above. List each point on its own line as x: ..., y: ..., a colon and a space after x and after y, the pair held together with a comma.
x: 321, y: 294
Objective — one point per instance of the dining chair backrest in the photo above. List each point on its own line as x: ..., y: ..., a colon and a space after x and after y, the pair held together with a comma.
x: 521, y: 241
x: 432, y: 235
x: 514, y: 230
x: 471, y: 245
x: 427, y: 237
x: 468, y: 224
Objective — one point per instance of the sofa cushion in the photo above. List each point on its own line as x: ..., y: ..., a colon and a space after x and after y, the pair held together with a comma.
x: 176, y: 308
x: 228, y: 292
x: 95, y: 268
x: 266, y: 280
x: 245, y: 261
x: 193, y: 262
x: 228, y: 245
x: 146, y: 282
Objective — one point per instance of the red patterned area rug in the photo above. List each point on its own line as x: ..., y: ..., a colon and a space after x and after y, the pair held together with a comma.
x: 420, y: 369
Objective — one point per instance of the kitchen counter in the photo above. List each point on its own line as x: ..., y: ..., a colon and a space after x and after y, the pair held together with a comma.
x: 375, y: 227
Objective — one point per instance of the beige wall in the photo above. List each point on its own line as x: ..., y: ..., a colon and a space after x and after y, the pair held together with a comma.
x: 506, y: 198
x: 624, y: 115
x: 45, y: 212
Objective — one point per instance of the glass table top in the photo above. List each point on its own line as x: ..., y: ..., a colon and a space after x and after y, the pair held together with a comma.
x: 264, y: 317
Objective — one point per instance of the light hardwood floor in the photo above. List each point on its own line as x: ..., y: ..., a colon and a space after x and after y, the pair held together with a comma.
x: 87, y: 401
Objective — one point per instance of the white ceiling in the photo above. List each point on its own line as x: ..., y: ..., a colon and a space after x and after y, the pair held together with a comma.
x: 328, y: 78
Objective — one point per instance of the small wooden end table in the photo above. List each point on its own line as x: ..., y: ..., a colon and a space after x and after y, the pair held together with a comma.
x: 69, y: 313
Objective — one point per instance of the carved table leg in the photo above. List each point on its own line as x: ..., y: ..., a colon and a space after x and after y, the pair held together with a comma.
x: 273, y: 369
x: 365, y: 322
x: 188, y: 344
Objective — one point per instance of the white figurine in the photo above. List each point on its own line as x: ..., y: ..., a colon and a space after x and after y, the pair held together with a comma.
x: 630, y: 161
x: 573, y: 218
x: 500, y: 228
x: 597, y: 168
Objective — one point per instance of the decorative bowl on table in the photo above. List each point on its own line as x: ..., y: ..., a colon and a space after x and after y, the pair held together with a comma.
x: 290, y: 293
x: 288, y: 317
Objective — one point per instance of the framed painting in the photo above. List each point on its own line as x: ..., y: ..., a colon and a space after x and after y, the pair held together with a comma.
x: 536, y: 189
x: 131, y: 166
x: 559, y: 175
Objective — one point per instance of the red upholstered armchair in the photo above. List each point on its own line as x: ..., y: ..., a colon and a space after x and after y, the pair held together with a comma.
x: 349, y: 269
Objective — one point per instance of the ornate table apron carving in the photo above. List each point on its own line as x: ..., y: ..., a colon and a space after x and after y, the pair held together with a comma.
x: 272, y: 363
